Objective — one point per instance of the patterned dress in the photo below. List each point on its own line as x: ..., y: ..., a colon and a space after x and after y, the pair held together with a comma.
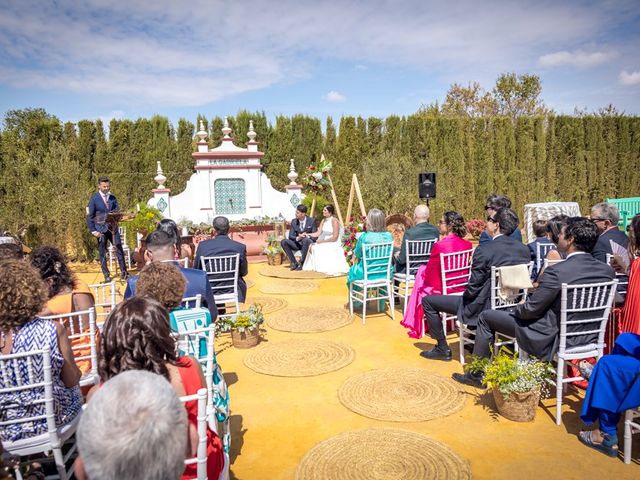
x: 35, y: 335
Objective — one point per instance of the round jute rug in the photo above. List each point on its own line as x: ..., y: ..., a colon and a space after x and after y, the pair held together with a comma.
x: 306, y: 320
x: 401, y: 395
x: 289, y: 287
x: 283, y: 271
x: 268, y: 304
x: 382, y: 453
x: 299, y: 358
x: 250, y: 283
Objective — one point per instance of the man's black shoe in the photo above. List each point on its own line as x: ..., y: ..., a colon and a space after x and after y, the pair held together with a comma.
x: 437, y: 354
x: 299, y: 267
x: 469, y: 379
x: 294, y: 266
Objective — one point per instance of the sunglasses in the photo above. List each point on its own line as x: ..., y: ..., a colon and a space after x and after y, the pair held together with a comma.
x: 491, y: 219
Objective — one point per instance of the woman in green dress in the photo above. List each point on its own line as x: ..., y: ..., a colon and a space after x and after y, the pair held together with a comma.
x: 376, y: 233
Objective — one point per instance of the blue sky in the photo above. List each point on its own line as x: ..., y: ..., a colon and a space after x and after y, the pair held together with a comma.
x: 134, y: 58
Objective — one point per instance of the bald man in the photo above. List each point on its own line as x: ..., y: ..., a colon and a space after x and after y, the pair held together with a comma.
x: 423, y: 230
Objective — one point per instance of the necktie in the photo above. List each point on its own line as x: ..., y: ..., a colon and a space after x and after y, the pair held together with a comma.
x: 106, y: 201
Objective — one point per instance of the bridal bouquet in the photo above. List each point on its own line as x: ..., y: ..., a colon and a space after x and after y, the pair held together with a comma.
x: 350, y: 236
x: 317, y: 178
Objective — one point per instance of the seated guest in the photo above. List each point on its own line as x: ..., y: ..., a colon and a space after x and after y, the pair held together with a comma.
x: 494, y: 202
x: 67, y: 294
x: 170, y: 227
x: 134, y: 427
x: 299, y: 240
x: 606, y: 217
x: 326, y: 255
x: 429, y: 276
x: 503, y: 250
x: 554, y: 226
x: 422, y: 231
x: 540, y: 232
x: 630, y: 321
x: 614, y: 386
x: 22, y: 295
x: 137, y: 336
x: 160, y: 248
x: 535, y: 323
x: 222, y: 245
x: 376, y: 232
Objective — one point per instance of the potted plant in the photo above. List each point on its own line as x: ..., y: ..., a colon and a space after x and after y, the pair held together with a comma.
x: 244, y: 326
x: 516, y: 383
x: 273, y: 250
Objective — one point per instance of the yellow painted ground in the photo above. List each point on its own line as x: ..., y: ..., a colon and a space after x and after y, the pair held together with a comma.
x: 276, y: 420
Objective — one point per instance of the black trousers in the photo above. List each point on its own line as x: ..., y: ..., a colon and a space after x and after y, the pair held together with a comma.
x: 433, y: 305
x: 490, y: 322
x: 102, y: 247
x: 289, y: 246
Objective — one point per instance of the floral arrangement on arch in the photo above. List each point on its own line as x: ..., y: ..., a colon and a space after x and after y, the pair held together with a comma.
x: 350, y: 236
x: 317, y: 177
x: 475, y: 227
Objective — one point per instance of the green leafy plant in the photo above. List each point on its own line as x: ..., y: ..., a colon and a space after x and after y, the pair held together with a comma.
x: 511, y: 374
x: 245, y: 320
x: 145, y: 220
x: 272, y: 246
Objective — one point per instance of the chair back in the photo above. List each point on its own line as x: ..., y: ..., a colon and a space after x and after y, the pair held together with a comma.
x: 623, y: 278
x: 455, y: 270
x: 192, y: 302
x: 499, y: 301
x: 541, y: 252
x: 377, y: 260
x: 27, y: 375
x: 81, y: 329
x: 105, y: 298
x: 584, y: 312
x: 222, y: 272
x: 418, y: 253
x: 123, y: 235
x: 201, y: 453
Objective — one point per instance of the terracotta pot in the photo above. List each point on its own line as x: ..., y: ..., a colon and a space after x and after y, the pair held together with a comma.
x: 519, y: 407
x: 246, y: 339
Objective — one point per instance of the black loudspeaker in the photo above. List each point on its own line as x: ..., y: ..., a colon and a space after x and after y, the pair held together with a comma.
x: 427, y: 185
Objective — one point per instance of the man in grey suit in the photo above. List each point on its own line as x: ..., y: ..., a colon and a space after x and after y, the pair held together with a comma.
x: 422, y: 231
x: 535, y: 323
x: 606, y: 217
x: 502, y: 250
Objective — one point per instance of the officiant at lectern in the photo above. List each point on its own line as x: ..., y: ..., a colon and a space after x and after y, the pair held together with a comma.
x: 102, y: 220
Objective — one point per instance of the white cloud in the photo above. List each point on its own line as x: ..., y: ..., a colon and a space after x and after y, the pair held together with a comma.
x: 579, y: 59
x: 113, y: 114
x: 627, y: 78
x: 335, y: 97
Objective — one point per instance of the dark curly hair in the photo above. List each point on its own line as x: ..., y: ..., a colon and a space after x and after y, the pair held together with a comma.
x: 554, y: 226
x: 137, y: 336
x: 170, y: 227
x: 162, y: 282
x: 11, y: 251
x: 51, y: 264
x: 22, y: 294
x: 455, y: 221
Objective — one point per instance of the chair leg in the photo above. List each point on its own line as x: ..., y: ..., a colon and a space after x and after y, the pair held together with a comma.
x: 351, y: 299
x: 462, y: 342
x: 559, y: 389
x: 392, y: 303
x: 59, y: 459
x: 364, y: 303
x: 628, y: 417
x: 406, y: 297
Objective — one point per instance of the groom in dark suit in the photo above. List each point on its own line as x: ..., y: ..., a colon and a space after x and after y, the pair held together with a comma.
x: 100, y: 205
x: 535, y: 323
x: 298, y: 240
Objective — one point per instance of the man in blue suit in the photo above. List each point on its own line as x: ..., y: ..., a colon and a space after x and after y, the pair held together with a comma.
x: 100, y: 205
x: 222, y: 245
x: 160, y: 248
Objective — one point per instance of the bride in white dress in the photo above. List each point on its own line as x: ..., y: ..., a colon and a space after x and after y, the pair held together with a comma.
x: 327, y: 255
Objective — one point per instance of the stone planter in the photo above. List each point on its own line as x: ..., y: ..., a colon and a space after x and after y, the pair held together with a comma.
x: 275, y: 259
x: 519, y: 407
x: 246, y: 339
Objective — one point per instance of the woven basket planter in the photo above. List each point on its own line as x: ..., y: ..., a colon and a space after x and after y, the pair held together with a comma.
x: 274, y: 259
x: 246, y: 339
x: 519, y: 407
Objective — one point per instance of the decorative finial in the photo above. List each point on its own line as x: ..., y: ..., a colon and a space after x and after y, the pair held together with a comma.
x: 160, y: 178
x: 251, y: 134
x: 226, y: 130
x: 293, y: 175
x: 202, y: 134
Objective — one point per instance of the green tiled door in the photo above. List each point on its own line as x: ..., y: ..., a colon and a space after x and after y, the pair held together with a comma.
x: 230, y: 196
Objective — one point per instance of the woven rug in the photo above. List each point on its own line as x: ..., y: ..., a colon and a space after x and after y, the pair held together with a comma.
x: 250, y: 283
x: 382, y: 453
x: 283, y: 271
x: 401, y: 395
x: 289, y: 287
x: 306, y: 320
x: 299, y: 358
x: 268, y: 304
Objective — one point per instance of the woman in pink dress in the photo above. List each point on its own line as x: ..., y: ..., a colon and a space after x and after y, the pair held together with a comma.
x: 428, y: 277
